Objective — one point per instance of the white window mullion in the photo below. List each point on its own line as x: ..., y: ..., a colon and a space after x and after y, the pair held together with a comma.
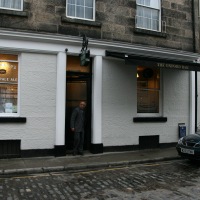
x: 152, y: 20
x: 84, y: 9
x: 75, y: 8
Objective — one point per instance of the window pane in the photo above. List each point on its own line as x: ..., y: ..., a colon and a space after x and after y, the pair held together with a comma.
x: 7, y: 3
x: 147, y: 2
x: 147, y: 18
x: 155, y: 4
x: 88, y: 13
x: 148, y: 101
x: 155, y: 14
x: 73, y: 65
x: 140, y: 2
x: 8, y: 84
x: 148, y: 87
x: 80, y: 2
x: 89, y: 3
x: 155, y: 20
x: 80, y: 11
x: 139, y: 11
x: 17, y: 4
x: 8, y: 57
x: 139, y: 16
x: 71, y: 10
x: 71, y: 1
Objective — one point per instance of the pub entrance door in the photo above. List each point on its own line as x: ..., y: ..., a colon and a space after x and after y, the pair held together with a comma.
x: 78, y: 88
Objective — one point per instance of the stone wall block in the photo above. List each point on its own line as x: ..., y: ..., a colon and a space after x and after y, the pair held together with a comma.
x: 50, y: 9
x: 166, y: 4
x: 122, y: 37
x: 60, y: 11
x: 47, y: 28
x: 100, y: 7
x: 121, y: 20
x: 174, y: 14
x: 68, y: 30
x: 55, y: 2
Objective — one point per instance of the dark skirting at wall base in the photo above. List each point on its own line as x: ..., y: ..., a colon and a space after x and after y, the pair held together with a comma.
x: 37, y: 153
x: 96, y: 148
x: 150, y: 119
x: 168, y: 145
x: 60, y: 150
x: 137, y: 147
x: 121, y: 148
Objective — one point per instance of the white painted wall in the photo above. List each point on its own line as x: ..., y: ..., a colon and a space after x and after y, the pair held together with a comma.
x: 120, y: 105
x: 119, y: 89
x: 176, y: 104
x: 38, y: 103
x: 198, y: 100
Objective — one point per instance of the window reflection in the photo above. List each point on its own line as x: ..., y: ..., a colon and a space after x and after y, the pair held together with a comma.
x: 148, y: 89
x: 8, y: 83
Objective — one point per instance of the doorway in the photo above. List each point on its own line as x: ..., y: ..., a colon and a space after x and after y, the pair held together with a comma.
x: 78, y: 88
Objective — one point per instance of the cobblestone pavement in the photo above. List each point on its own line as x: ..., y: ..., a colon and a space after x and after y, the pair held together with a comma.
x: 165, y: 180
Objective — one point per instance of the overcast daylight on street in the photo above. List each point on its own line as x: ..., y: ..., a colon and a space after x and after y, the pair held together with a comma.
x: 177, y: 179
x: 99, y: 99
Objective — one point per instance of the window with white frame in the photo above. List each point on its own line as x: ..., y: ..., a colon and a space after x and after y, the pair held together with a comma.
x: 11, y: 4
x: 8, y: 85
x: 81, y: 9
x: 148, y: 91
x: 148, y: 15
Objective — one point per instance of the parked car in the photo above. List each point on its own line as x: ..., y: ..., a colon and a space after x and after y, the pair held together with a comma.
x: 189, y: 146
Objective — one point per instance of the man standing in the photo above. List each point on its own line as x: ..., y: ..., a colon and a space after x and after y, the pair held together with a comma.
x: 77, y: 126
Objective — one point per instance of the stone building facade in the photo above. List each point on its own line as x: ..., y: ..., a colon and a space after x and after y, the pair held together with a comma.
x: 140, y: 85
x: 114, y: 21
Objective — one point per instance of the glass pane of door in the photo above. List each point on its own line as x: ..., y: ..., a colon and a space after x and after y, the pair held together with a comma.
x: 76, y: 92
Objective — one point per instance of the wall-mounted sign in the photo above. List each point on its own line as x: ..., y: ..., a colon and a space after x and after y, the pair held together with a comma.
x: 172, y: 66
x: 2, y: 71
x: 166, y: 65
x: 8, y: 72
x: 161, y: 62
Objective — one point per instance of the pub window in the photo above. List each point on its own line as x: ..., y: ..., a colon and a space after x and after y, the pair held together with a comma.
x: 11, y: 4
x: 81, y: 9
x: 148, y: 90
x: 8, y: 85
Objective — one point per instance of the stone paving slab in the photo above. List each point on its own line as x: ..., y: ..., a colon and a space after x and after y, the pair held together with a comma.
x: 50, y: 164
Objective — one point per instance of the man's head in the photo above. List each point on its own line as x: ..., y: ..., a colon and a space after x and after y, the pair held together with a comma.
x: 82, y: 105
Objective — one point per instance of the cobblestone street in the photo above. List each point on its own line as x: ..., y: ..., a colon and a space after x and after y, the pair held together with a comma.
x: 164, y: 180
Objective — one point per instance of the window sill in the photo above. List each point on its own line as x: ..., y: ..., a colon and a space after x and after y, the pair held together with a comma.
x: 150, y: 119
x: 14, y: 12
x: 12, y: 119
x: 80, y: 21
x: 148, y: 32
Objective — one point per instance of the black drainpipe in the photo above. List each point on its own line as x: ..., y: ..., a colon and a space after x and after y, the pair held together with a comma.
x: 194, y: 49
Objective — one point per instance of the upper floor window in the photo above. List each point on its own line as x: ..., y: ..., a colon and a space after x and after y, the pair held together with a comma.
x: 11, y: 4
x: 148, y: 15
x: 81, y: 9
x: 9, y: 85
